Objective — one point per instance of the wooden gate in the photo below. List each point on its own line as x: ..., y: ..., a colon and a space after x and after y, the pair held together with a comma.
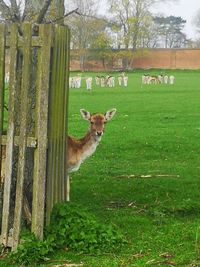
x: 33, y: 124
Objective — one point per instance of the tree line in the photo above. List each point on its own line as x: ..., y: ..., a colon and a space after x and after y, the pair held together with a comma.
x: 123, y: 27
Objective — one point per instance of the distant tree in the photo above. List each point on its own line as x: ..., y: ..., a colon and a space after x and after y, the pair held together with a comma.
x: 132, y: 17
x: 148, y: 37
x: 85, y: 27
x: 102, y: 47
x: 170, y: 30
x: 196, y: 21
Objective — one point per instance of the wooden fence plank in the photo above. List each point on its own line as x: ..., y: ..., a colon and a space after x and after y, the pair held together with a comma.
x: 51, y: 169
x: 35, y: 42
x: 40, y: 157
x: 31, y: 141
x: 65, y: 118
x: 64, y: 111
x: 9, y: 242
x: 23, y: 132
x: 62, y: 74
x: 2, y: 74
x: 59, y: 178
x: 64, y: 45
x: 56, y: 176
x: 10, y: 133
x: 55, y: 121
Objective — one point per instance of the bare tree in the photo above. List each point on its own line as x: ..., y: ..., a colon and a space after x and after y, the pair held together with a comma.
x: 85, y: 26
x: 37, y: 11
x: 196, y: 21
x: 148, y: 37
x: 132, y: 16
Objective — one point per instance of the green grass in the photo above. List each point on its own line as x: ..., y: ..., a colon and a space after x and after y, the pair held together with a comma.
x: 155, y: 137
x: 155, y: 132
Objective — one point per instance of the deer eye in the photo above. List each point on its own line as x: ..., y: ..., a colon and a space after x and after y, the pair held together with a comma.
x: 92, y: 122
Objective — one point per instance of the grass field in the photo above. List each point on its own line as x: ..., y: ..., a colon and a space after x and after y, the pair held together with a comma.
x: 144, y: 176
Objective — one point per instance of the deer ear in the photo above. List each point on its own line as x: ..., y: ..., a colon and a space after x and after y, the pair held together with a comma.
x: 110, y: 114
x: 85, y: 114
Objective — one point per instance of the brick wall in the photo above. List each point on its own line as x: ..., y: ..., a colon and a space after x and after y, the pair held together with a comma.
x: 169, y: 59
x: 153, y: 58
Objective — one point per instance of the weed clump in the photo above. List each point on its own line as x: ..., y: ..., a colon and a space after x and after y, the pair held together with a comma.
x: 71, y: 229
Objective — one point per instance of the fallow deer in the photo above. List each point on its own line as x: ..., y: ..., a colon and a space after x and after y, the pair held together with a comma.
x: 80, y: 149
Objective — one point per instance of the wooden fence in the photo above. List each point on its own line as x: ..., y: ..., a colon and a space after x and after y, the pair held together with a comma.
x: 33, y: 126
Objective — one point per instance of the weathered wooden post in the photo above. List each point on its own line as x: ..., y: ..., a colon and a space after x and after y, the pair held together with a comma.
x: 41, y: 128
x: 57, y: 146
x: 10, y: 135
x: 2, y: 74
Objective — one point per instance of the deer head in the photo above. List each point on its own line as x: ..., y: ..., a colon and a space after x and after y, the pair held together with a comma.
x: 97, y: 121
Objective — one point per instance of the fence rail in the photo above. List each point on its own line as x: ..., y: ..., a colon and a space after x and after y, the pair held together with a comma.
x: 33, y: 149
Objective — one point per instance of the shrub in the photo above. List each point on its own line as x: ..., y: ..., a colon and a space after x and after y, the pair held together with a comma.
x: 70, y: 228
x: 79, y: 231
x: 31, y: 251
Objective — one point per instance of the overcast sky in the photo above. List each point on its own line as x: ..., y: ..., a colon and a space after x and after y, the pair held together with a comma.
x: 183, y: 8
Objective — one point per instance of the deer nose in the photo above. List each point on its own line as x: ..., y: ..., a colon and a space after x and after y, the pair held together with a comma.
x: 99, y: 133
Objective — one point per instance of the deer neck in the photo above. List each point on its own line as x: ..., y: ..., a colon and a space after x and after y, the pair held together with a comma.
x: 89, y: 143
x: 80, y: 149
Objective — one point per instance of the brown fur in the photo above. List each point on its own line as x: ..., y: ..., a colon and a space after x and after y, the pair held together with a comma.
x: 76, y: 148
x: 80, y: 149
